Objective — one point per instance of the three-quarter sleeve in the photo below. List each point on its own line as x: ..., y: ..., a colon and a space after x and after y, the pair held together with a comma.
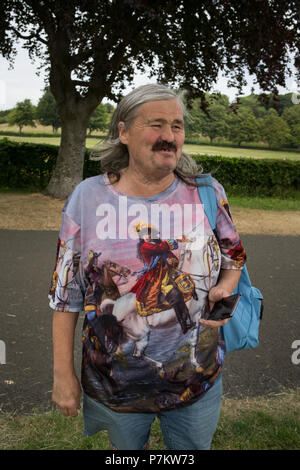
x: 233, y: 255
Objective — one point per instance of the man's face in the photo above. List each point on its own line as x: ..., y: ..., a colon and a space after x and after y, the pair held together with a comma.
x: 156, y: 137
x: 147, y: 237
x: 150, y: 236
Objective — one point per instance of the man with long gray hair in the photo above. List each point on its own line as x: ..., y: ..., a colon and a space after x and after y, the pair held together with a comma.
x: 149, y: 348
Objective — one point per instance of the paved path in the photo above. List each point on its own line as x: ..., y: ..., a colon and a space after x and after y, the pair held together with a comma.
x: 27, y: 260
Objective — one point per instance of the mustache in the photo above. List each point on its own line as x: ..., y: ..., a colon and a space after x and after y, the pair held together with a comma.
x: 164, y: 145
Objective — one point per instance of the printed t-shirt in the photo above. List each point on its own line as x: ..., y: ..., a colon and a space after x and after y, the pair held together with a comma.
x: 141, y: 270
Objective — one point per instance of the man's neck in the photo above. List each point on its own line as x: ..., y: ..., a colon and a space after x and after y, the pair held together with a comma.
x: 135, y: 183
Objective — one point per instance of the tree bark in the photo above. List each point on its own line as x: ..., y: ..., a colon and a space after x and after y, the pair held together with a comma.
x: 68, y: 171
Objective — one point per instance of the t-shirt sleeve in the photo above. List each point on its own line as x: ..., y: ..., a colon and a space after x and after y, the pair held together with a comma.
x: 67, y: 287
x: 233, y: 255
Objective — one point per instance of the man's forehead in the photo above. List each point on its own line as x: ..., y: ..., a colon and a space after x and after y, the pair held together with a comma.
x: 161, y: 110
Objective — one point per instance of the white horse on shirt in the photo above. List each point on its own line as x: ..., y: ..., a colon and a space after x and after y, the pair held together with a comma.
x: 199, y: 258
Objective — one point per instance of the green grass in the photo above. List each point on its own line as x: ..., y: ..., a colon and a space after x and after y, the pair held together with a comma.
x: 90, y: 142
x: 12, y: 191
x: 267, y: 203
x: 240, y: 152
x: 189, y: 148
x: 258, y: 430
x: 271, y: 422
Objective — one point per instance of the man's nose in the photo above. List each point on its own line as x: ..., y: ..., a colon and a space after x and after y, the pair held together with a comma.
x: 168, y: 134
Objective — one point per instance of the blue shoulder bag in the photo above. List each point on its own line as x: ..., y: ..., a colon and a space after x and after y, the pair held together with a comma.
x: 242, y: 331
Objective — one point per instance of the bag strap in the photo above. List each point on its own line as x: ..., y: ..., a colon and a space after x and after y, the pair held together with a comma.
x: 208, y: 198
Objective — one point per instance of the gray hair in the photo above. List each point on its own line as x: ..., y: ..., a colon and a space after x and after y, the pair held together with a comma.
x: 114, y: 155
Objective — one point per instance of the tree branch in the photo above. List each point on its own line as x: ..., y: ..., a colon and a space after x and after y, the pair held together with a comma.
x: 31, y: 36
x: 80, y: 83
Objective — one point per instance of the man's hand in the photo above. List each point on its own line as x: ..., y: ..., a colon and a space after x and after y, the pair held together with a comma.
x: 227, y: 282
x: 215, y: 294
x: 66, y: 394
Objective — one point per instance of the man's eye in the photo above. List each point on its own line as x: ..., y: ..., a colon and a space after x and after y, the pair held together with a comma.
x: 156, y: 125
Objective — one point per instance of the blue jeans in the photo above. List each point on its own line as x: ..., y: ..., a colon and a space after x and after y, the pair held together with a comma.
x: 189, y: 428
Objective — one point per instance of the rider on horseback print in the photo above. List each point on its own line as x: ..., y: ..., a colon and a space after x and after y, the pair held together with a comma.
x: 156, y: 288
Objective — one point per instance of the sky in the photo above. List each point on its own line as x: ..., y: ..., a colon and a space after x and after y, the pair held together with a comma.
x: 21, y: 82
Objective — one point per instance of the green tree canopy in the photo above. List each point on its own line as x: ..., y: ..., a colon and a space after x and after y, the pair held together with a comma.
x: 99, y: 119
x: 243, y: 126
x: 46, y: 112
x: 291, y: 115
x: 274, y: 129
x: 253, y: 103
x: 212, y: 123
x: 92, y: 48
x: 215, y: 124
x: 22, y: 115
x: 277, y: 102
x: 3, y: 115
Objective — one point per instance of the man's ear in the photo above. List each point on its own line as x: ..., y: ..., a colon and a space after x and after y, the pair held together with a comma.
x: 122, y: 132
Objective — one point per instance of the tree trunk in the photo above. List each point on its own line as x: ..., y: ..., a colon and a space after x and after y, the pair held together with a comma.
x: 69, y: 165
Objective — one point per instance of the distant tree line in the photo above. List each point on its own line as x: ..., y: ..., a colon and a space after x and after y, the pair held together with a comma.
x: 275, y: 120
x: 46, y: 114
x: 253, y: 118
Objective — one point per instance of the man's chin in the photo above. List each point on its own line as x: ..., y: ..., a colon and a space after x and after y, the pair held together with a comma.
x: 168, y: 165
x: 165, y: 169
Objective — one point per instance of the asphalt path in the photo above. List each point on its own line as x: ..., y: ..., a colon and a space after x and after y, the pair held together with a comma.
x: 27, y: 260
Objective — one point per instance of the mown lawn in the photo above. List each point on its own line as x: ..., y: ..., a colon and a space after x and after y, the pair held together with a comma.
x: 259, y: 423
x: 265, y: 203
x: 240, y: 152
x: 189, y: 148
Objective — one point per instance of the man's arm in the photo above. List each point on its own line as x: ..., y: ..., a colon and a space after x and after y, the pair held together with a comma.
x: 66, y: 387
x: 228, y: 280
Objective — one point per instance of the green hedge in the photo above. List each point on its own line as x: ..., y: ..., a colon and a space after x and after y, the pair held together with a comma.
x: 26, y: 165
x: 40, y: 134
x: 254, y: 177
